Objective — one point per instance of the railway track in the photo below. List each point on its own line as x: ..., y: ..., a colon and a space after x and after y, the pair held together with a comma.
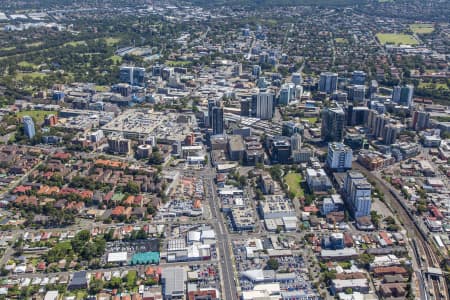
x: 420, y: 237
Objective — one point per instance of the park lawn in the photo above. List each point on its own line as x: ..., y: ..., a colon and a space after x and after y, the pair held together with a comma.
x: 116, y: 59
x: 422, y: 28
x: 37, y: 115
x: 35, y: 44
x: 111, y: 41
x: 396, y: 38
x: 8, y: 48
x: 26, y: 64
x: 341, y: 40
x: 311, y: 120
x: 75, y: 43
x: 101, y: 88
x: 428, y: 85
x: 177, y: 63
x: 21, y: 76
x: 81, y: 295
x: 293, y: 180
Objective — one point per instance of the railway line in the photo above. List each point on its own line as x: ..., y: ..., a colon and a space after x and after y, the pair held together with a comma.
x: 438, y: 288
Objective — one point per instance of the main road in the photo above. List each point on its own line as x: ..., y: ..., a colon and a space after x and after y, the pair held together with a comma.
x: 229, y: 289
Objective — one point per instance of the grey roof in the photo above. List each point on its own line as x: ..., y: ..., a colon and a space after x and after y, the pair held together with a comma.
x: 174, y: 281
x: 79, y: 278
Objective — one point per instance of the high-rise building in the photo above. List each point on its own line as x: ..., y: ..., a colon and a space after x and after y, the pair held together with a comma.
x: 373, y: 88
x: 132, y: 75
x: 289, y: 128
x: 403, y: 95
x: 333, y: 121
x: 287, y: 93
x: 237, y: 69
x: 358, y: 77
x: 211, y: 104
x: 51, y: 120
x: 357, y: 115
x: 284, y: 95
x: 28, y: 127
x: 328, y: 82
x: 262, y: 105
x: 245, y: 108
x: 339, y: 157
x: 296, y: 142
x: 380, y: 122
x: 118, y: 144
x: 96, y: 136
x: 370, y: 123
x: 358, y: 193
x: 391, y: 132
x: 297, y: 78
x: 357, y: 93
x: 280, y: 150
x: 217, y: 120
x: 256, y: 71
x: 421, y: 120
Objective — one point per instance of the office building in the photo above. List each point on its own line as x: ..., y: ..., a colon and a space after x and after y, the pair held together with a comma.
x: 301, y: 156
x: 262, y: 83
x: 328, y: 82
x: 355, y: 141
x: 373, y: 88
x: 339, y: 157
x: 280, y: 150
x: 358, y: 77
x: 403, y: 95
x: 421, y: 120
x: 289, y: 128
x: 318, y: 180
x: 166, y: 73
x: 262, y: 106
x: 28, y: 127
x: 132, y: 75
x: 256, y: 71
x: 245, y: 108
x: 211, y: 104
x: 296, y: 142
x: 150, y: 140
x: 124, y: 89
x: 96, y: 136
x: 331, y: 204
x: 358, y: 193
x: 118, y: 144
x: 217, y: 120
x: 237, y: 69
x: 157, y: 70
x: 335, y: 241
x: 297, y: 78
x: 236, y: 147
x: 287, y: 93
x: 333, y: 120
x: 284, y: 95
